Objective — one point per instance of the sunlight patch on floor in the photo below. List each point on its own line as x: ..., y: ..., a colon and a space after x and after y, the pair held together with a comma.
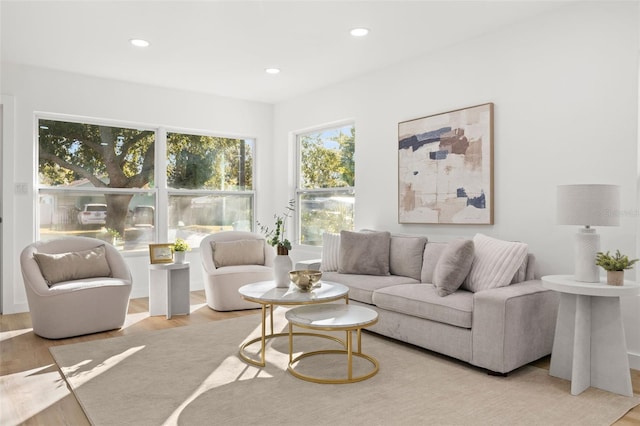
x: 6, y: 335
x: 230, y: 370
x: 77, y: 376
x: 133, y: 319
x: 197, y: 306
x: 44, y: 383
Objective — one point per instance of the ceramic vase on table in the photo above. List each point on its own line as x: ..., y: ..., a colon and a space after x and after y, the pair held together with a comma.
x: 179, y: 256
x: 282, y: 264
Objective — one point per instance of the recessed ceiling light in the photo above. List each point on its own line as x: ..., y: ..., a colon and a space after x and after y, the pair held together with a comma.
x: 272, y: 70
x: 138, y: 42
x: 359, y: 32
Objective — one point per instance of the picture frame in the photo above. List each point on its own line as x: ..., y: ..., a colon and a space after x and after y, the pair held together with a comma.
x: 445, y: 168
x: 161, y: 253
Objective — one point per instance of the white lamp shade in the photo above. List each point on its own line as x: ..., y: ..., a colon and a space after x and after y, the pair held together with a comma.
x: 589, y: 205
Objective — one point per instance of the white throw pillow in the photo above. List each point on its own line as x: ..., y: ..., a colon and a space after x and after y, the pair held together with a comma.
x: 330, y: 252
x: 495, y: 263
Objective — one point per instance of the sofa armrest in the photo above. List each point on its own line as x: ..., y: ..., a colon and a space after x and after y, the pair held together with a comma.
x: 513, y: 325
x: 313, y: 264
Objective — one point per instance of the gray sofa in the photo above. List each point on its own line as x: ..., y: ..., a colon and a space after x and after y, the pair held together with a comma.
x: 498, y: 329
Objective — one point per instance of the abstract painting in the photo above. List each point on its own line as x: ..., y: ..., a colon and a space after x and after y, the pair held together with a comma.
x: 445, y: 167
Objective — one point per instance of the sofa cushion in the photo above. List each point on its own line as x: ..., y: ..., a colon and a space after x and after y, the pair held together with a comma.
x: 432, y: 252
x: 330, y: 252
x: 361, y: 287
x: 239, y: 252
x: 453, y: 266
x: 405, y: 255
x: 422, y: 300
x: 76, y: 265
x: 364, y: 253
x: 495, y: 263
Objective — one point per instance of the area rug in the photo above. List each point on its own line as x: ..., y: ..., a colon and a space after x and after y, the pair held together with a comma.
x: 193, y: 376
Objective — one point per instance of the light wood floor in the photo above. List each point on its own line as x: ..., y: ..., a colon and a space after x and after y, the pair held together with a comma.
x: 32, y: 391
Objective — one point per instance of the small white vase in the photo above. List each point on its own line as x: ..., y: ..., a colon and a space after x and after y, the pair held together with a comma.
x: 178, y: 257
x: 281, y: 266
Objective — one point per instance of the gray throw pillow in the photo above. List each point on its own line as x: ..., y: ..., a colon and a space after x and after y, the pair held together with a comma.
x: 239, y: 252
x: 76, y: 265
x: 364, y: 253
x: 453, y: 266
x: 405, y: 255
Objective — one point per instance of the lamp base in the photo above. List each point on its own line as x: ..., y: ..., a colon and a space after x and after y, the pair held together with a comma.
x: 587, y: 246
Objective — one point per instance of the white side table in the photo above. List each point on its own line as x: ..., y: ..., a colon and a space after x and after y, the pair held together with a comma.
x: 169, y: 289
x: 589, y: 347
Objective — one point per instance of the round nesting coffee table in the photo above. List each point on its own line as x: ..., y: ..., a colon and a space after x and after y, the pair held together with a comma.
x: 332, y: 317
x: 268, y: 295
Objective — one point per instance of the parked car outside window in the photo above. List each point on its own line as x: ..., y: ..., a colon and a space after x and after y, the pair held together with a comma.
x: 93, y: 214
x: 143, y: 216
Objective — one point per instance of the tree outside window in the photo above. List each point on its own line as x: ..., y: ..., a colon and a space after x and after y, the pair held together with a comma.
x: 326, y: 182
x: 100, y: 181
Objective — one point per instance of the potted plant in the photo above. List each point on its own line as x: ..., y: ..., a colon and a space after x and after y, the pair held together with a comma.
x: 282, y: 264
x: 615, y: 266
x: 180, y: 247
x: 111, y: 235
x: 276, y: 237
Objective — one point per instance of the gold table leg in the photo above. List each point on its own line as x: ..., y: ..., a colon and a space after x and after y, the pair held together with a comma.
x: 348, y: 351
x: 264, y: 337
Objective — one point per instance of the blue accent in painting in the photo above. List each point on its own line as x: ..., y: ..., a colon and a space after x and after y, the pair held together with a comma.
x: 417, y: 141
x: 461, y: 193
x: 478, y: 202
x: 438, y: 155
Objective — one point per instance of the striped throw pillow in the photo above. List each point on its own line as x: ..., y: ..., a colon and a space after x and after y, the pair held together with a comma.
x: 495, y: 263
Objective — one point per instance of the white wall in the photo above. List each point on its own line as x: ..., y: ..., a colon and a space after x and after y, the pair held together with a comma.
x: 565, y: 89
x: 27, y: 90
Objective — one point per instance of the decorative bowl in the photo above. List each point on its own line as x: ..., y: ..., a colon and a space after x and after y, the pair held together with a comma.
x: 305, y: 279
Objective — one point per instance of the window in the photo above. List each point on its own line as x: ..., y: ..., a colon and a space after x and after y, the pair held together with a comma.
x: 326, y: 181
x: 210, y: 184
x: 103, y: 181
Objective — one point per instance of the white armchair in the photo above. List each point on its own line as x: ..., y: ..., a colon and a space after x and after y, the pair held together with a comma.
x: 83, y: 290
x: 230, y: 260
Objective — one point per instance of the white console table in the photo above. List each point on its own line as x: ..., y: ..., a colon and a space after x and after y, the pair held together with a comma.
x: 589, y: 347
x: 169, y: 289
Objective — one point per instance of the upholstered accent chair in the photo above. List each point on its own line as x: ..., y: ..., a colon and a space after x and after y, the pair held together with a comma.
x: 231, y: 259
x: 75, y: 286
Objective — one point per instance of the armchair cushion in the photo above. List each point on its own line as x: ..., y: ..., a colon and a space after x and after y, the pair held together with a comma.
x: 77, y: 265
x: 240, y: 252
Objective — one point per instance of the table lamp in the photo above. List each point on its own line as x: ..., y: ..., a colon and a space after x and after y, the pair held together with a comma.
x: 588, y: 205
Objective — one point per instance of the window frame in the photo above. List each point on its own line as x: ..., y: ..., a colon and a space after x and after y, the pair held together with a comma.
x: 299, y: 191
x: 161, y: 192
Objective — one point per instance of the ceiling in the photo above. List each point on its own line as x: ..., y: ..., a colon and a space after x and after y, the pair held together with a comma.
x: 223, y: 47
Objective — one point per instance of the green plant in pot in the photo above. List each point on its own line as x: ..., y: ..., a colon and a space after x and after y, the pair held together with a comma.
x: 282, y: 263
x: 614, y: 265
x: 276, y: 237
x: 111, y: 235
x: 180, y: 247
